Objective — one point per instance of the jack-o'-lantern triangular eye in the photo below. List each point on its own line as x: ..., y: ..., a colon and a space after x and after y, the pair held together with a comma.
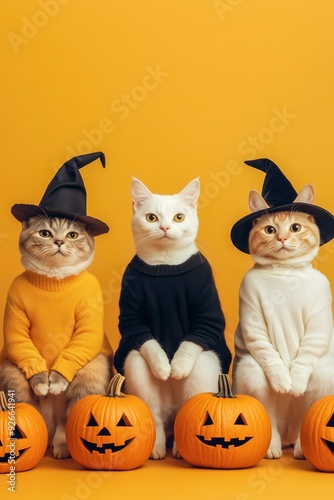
x: 240, y: 420
x: 17, y: 433
x: 124, y: 421
x: 208, y: 420
x: 330, y: 422
x: 92, y: 421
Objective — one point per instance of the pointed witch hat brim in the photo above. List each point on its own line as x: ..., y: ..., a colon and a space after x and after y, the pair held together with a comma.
x: 65, y: 196
x: 279, y: 194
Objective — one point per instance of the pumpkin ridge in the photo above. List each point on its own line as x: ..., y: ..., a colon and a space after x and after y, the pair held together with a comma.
x: 316, y: 436
x: 3, y: 401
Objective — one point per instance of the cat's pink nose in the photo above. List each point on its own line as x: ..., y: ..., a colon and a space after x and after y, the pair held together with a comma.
x: 282, y: 239
x: 164, y: 228
x: 59, y: 243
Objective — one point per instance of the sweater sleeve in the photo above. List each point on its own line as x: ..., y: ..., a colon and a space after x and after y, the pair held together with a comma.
x: 88, y: 336
x: 17, y: 341
x: 132, y: 323
x: 318, y: 329
x: 253, y: 327
x: 207, y: 319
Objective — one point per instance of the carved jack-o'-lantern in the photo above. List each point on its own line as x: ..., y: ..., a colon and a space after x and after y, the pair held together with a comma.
x: 113, y: 432
x: 317, y: 434
x: 221, y: 430
x: 23, y: 436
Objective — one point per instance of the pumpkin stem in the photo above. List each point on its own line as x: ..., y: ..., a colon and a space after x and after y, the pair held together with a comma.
x: 3, y: 402
x: 224, y: 387
x: 114, y: 389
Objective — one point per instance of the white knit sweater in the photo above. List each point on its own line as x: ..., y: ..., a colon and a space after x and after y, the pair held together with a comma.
x: 285, y: 316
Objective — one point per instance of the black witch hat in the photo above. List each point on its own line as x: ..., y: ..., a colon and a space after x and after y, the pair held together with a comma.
x: 279, y: 194
x: 65, y: 196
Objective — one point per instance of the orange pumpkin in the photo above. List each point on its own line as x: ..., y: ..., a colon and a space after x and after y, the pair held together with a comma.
x: 23, y: 436
x: 115, y: 431
x: 222, y: 431
x: 317, y: 434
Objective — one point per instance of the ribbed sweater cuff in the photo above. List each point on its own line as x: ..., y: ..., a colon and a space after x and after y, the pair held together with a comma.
x: 32, y: 370
x: 66, y: 368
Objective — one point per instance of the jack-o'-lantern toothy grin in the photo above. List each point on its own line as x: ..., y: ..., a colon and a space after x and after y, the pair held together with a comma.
x: 8, y: 456
x: 220, y: 441
x: 108, y: 446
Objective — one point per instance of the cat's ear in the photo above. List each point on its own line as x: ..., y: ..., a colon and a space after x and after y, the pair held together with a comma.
x: 190, y: 193
x: 139, y: 193
x: 26, y: 224
x: 256, y: 202
x: 306, y: 195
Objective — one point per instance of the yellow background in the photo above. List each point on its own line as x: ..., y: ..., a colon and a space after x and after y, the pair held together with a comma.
x: 169, y: 90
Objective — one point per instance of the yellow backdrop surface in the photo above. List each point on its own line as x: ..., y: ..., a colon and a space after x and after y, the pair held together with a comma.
x: 169, y: 90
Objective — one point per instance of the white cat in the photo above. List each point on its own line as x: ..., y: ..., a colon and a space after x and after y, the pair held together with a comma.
x: 284, y: 340
x: 171, y: 320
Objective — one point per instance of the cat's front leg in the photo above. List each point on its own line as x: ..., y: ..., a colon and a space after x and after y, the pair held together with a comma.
x: 156, y: 358
x: 279, y: 377
x: 40, y: 383
x: 184, y: 359
x: 299, y: 379
x: 57, y: 383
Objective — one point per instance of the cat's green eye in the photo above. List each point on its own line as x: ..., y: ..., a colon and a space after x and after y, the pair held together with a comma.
x: 295, y: 228
x: 45, y: 233
x: 269, y: 230
x: 179, y: 217
x: 73, y: 235
x: 151, y: 218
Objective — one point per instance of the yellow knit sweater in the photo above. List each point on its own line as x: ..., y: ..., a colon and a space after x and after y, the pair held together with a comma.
x: 52, y: 324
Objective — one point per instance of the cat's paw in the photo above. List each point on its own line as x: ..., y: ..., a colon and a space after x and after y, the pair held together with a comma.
x: 280, y: 380
x: 161, y: 369
x: 297, y: 451
x: 184, y: 359
x: 282, y: 386
x: 57, y: 383
x: 156, y: 359
x: 275, y: 447
x: 61, y: 451
x: 274, y: 451
x: 181, y: 368
x: 158, y: 452
x: 40, y: 383
x: 299, y: 383
x: 176, y: 453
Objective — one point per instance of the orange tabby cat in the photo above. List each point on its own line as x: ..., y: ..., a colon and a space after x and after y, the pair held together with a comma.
x: 284, y: 340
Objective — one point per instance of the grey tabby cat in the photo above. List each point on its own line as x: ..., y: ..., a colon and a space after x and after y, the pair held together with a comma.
x: 55, y: 350
x: 55, y: 253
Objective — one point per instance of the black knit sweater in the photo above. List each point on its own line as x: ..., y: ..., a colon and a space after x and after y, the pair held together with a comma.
x: 171, y: 304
